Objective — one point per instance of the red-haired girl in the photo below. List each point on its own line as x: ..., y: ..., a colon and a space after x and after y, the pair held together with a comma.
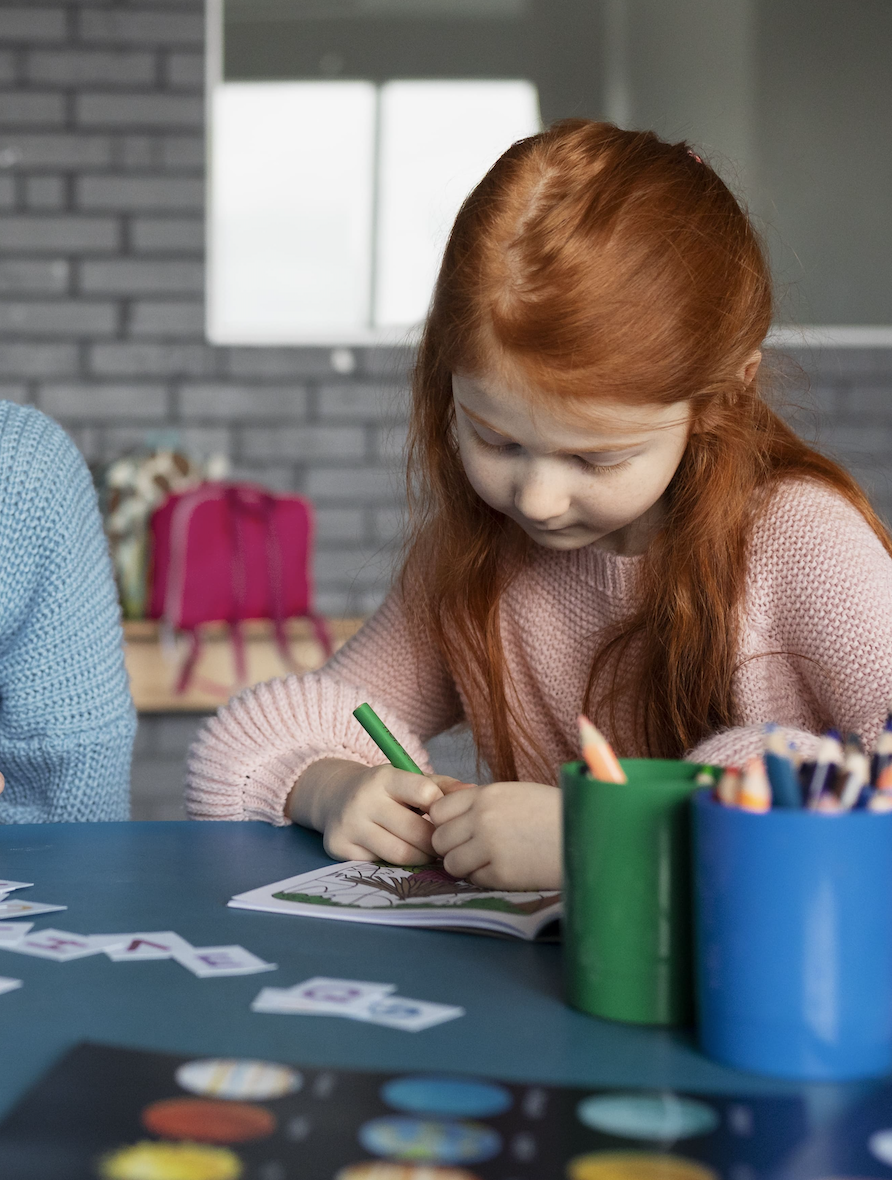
x: 607, y: 517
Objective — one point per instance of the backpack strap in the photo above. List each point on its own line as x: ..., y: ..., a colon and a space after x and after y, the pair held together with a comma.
x: 274, y: 566
x: 189, y: 663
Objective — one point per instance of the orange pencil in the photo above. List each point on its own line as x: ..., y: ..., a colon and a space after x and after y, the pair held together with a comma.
x: 598, y: 754
x: 755, y: 792
x: 728, y: 790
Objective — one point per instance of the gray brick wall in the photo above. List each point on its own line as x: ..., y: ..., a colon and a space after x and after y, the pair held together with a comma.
x: 102, y: 275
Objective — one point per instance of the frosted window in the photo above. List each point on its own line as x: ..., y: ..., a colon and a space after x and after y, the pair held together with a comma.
x: 331, y: 201
x: 291, y: 209
x: 438, y: 139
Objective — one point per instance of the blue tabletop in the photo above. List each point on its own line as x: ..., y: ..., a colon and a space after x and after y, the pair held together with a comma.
x: 125, y: 877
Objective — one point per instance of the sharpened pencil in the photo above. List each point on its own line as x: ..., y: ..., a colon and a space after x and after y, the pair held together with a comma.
x: 598, y: 754
x: 785, y: 790
x: 755, y: 790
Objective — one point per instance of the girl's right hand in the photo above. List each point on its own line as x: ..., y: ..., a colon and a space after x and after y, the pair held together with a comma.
x: 366, y: 812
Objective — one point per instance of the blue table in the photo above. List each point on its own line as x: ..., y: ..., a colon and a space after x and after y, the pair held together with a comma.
x: 121, y: 877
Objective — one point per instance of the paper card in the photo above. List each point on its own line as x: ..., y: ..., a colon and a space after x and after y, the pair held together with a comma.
x: 8, y: 886
x: 106, y: 942
x: 408, y: 1015
x: 274, y: 999
x: 337, y: 997
x: 140, y: 947
x: 209, y: 961
x: 8, y: 985
x: 13, y: 931
x: 26, y: 909
x: 59, y: 945
x: 322, y: 996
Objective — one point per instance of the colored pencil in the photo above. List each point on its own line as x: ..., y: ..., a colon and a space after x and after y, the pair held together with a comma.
x: 785, y: 790
x: 829, y: 757
x: 858, y: 775
x: 882, y: 754
x: 728, y: 790
x: 855, y: 774
x: 755, y: 790
x: 598, y: 754
x: 384, y: 739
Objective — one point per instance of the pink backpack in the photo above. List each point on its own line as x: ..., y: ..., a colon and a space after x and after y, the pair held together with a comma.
x: 226, y: 552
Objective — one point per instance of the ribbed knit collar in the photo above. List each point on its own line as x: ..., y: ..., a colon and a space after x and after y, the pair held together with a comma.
x: 610, y: 573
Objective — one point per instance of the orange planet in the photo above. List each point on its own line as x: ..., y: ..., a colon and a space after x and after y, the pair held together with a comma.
x: 207, y: 1120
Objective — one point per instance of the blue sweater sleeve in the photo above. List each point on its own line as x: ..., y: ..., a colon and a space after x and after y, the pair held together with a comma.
x: 66, y: 718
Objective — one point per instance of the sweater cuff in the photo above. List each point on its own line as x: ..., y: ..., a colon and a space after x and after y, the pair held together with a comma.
x: 248, y: 758
x: 732, y: 747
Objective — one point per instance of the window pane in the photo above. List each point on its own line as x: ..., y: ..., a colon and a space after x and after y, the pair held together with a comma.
x: 437, y: 140
x: 291, y: 210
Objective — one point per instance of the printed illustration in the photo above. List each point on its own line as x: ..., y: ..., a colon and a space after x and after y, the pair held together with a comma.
x: 381, y: 886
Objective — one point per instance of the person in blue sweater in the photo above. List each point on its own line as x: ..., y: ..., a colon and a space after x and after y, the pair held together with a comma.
x: 67, y: 721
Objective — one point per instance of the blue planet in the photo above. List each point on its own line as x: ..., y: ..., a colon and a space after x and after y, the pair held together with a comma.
x: 662, y: 1118
x: 448, y: 1096
x: 429, y: 1141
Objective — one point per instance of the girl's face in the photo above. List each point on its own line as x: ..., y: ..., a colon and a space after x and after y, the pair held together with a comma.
x: 570, y: 477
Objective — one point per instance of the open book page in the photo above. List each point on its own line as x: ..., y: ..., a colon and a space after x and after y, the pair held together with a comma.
x: 363, y: 891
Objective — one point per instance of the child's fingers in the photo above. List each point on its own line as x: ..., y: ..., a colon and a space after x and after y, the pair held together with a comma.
x: 452, y: 806
x: 340, y: 848
x: 415, y: 790
x: 467, y: 859
x: 450, y: 835
x: 449, y: 785
x: 389, y: 847
x: 397, y: 819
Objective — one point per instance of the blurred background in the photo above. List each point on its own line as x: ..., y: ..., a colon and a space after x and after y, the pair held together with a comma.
x: 219, y: 226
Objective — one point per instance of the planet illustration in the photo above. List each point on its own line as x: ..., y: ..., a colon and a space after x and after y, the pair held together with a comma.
x: 170, y: 1161
x: 662, y: 1118
x: 223, y: 1077
x: 378, y: 1170
x: 880, y: 1146
x: 629, y: 1165
x: 451, y: 1097
x: 430, y: 1140
x: 207, y: 1120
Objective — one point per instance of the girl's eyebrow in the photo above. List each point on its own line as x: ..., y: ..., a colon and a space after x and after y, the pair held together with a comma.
x: 575, y: 451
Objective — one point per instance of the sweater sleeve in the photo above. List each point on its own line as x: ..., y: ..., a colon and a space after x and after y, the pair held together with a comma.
x: 820, y: 603
x: 246, y: 759
x: 66, y: 718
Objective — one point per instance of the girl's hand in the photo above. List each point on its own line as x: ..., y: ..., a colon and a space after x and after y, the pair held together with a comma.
x: 366, y: 812
x: 503, y: 836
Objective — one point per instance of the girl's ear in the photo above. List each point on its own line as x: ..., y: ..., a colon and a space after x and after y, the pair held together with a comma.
x: 750, y: 367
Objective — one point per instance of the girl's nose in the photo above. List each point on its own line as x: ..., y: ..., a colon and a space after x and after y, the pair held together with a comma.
x: 540, y: 496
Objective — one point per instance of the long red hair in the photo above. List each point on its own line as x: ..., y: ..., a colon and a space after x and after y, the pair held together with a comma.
x: 604, y: 263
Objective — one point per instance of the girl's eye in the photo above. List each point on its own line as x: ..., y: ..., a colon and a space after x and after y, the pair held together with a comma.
x: 505, y: 448
x: 602, y: 468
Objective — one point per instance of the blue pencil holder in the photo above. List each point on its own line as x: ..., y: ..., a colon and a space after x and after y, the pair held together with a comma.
x: 793, y: 930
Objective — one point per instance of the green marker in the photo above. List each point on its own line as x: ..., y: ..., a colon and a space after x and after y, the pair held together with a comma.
x: 384, y: 739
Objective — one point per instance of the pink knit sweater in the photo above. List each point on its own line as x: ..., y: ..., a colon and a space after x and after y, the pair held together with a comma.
x: 819, y: 584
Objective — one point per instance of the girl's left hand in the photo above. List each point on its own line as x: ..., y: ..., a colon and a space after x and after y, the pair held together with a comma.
x: 502, y: 836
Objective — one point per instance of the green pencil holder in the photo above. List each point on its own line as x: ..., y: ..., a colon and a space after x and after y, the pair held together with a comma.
x: 627, y: 892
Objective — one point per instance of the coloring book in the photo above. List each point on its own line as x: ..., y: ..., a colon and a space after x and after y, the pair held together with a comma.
x: 364, y: 891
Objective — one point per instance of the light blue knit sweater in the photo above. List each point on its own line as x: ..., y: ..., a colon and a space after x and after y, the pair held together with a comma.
x: 66, y: 718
